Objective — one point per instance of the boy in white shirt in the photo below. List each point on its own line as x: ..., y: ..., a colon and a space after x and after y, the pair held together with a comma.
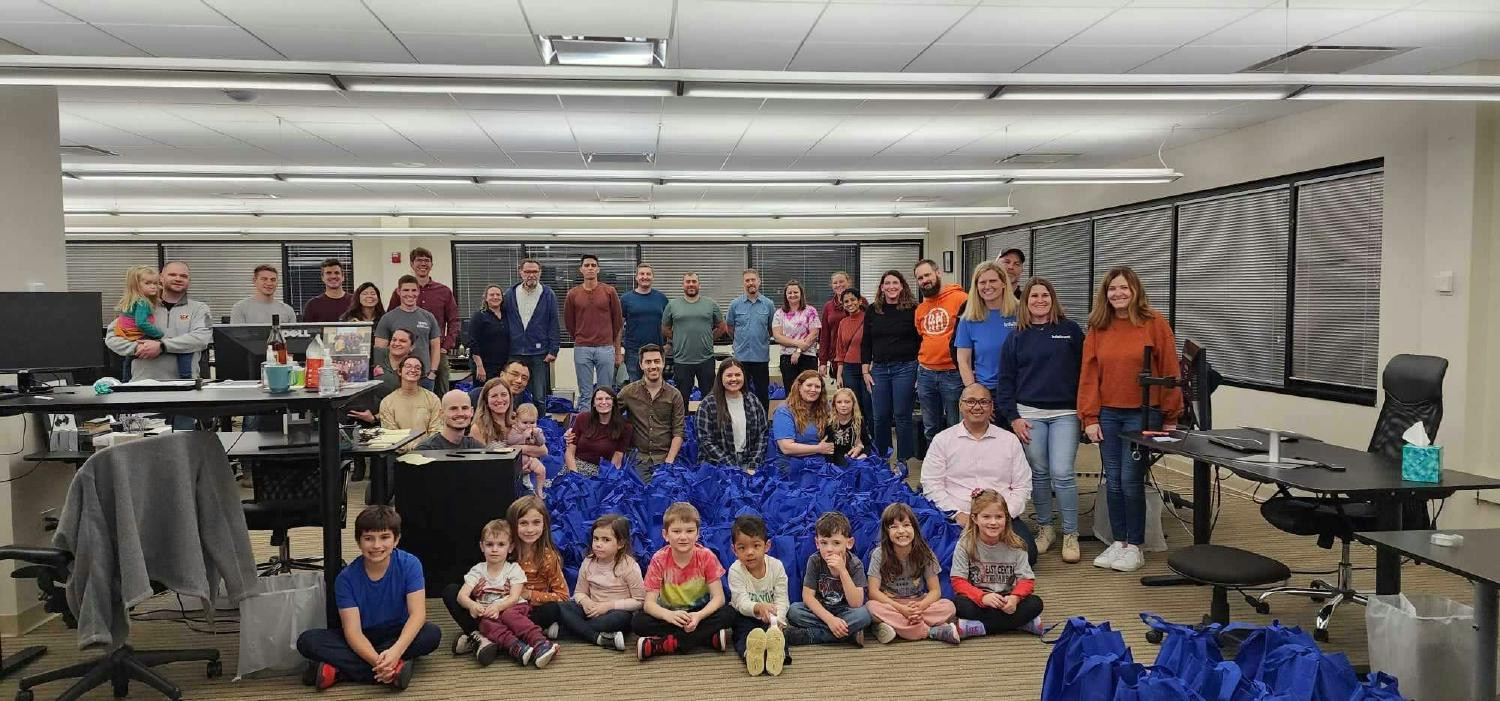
x: 758, y: 593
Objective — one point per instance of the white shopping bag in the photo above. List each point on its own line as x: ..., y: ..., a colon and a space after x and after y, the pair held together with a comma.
x: 271, y: 620
x: 1156, y: 540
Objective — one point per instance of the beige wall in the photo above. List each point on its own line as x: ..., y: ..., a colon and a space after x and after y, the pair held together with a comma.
x: 1440, y: 215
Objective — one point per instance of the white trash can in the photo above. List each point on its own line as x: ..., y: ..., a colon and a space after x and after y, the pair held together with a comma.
x: 1426, y: 642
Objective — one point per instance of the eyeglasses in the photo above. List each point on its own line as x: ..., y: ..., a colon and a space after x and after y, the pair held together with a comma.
x: 976, y: 402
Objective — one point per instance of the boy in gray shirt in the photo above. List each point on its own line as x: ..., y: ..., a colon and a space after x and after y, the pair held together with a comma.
x: 421, y: 323
x: 261, y: 306
x: 833, y: 587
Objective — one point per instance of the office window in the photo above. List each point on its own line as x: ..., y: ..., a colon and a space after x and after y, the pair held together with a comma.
x: 1336, y: 309
x: 303, y: 278
x: 809, y: 264
x: 998, y: 243
x: 1142, y: 240
x: 876, y: 258
x: 222, y: 273
x: 973, y: 250
x: 1062, y: 256
x: 720, y: 268
x: 100, y: 267
x: 560, y: 269
x: 1231, y: 282
x: 479, y: 265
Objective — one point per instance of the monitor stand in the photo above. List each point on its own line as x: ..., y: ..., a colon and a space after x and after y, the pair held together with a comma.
x: 26, y: 383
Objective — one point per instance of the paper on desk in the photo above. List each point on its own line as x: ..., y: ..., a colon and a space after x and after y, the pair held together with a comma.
x: 387, y: 437
x: 414, y: 459
x: 1165, y: 439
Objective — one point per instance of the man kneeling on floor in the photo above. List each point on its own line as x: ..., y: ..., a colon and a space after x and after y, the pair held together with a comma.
x: 382, y: 604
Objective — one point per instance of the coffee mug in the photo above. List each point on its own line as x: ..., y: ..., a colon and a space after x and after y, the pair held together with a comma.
x: 278, y: 378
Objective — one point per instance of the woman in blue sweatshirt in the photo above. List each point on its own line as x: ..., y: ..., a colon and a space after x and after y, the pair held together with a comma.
x: 1038, y: 395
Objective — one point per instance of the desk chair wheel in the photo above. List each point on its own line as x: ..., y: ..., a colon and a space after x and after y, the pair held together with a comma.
x: 1320, y: 635
x: 215, y: 669
x: 25, y: 695
x: 1154, y: 636
x: 1260, y: 607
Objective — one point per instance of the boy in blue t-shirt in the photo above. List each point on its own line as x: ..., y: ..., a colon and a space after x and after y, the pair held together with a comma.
x: 381, y: 598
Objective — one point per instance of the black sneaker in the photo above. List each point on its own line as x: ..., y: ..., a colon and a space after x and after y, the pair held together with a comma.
x: 404, y: 671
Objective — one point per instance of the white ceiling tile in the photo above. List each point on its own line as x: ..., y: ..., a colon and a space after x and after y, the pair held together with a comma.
x: 32, y: 11
x: 156, y: 12
x: 1458, y: 5
x: 734, y: 21
x: 1428, y: 60
x: 691, y: 161
x: 835, y: 56
x: 1427, y: 29
x: 864, y: 136
x: 193, y: 42
x: 475, y: 49
x: 1288, y: 28
x: 310, y: 44
x: 1155, y: 26
x: 322, y: 115
x: 609, y: 18
x: 450, y: 130
x: 1209, y: 59
x: 451, y: 16
x: 701, y: 133
x: 772, y: 135
x: 345, y: 15
x: 228, y: 115
x: 435, y: 101
x: 1357, y: 4
x: 71, y: 39
x: 1044, y: 3
x: 945, y: 57
x: 895, y: 23
x: 831, y: 161
x: 508, y: 102
x: 615, y: 133
x: 799, y: 107
x: 1094, y: 59
x: 528, y: 131
x: 548, y: 159
x: 488, y: 157
x: 591, y: 103
x: 696, y: 52
x: 1034, y: 25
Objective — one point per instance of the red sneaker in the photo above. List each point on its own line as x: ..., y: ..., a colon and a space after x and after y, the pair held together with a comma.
x: 324, y: 675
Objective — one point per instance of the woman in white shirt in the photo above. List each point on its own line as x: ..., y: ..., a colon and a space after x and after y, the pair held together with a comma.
x: 731, y: 423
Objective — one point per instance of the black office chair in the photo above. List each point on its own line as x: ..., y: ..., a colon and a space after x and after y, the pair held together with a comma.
x: 286, y: 496
x: 51, y: 567
x: 1413, y: 387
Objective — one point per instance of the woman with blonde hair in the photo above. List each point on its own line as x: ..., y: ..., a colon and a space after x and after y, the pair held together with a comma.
x: 986, y: 322
x: 797, y: 425
x: 1122, y: 324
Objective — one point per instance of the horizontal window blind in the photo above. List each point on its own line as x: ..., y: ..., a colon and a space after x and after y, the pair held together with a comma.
x: 1000, y: 242
x: 303, y: 277
x: 560, y: 269
x: 973, y: 253
x: 1143, y: 241
x: 1062, y: 256
x: 1231, y: 282
x: 100, y: 267
x: 222, y: 273
x: 810, y: 264
x: 1336, y: 310
x: 479, y: 265
x: 875, y: 259
x: 720, y: 268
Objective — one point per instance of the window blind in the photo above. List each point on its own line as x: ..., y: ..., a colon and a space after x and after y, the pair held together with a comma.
x: 998, y: 243
x: 479, y: 265
x: 1231, y: 282
x: 973, y: 252
x: 720, y: 268
x: 809, y: 264
x: 100, y: 267
x: 221, y: 274
x: 1062, y: 256
x: 1142, y: 240
x: 560, y: 269
x: 303, y: 277
x: 1336, y: 310
x: 875, y: 259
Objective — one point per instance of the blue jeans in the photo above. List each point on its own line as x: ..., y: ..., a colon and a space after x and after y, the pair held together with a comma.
x: 595, y: 366
x: 893, y: 396
x: 329, y: 645
x: 853, y: 377
x: 1124, y: 474
x: 1053, y: 446
x: 801, y: 616
x: 938, y: 391
x: 571, y: 616
x: 633, y: 362
x: 540, y: 378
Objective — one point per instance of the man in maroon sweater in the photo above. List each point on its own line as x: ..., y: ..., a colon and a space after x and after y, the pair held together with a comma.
x: 334, y: 301
x: 591, y: 313
x: 438, y: 299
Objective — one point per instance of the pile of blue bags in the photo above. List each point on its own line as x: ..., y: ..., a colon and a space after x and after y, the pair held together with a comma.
x: 1274, y: 663
x: 789, y: 500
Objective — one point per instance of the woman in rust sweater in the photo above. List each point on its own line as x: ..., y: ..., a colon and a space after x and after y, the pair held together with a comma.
x: 1109, y: 403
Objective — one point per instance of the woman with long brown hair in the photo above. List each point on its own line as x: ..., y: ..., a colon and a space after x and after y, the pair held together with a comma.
x: 888, y: 350
x: 731, y: 422
x: 600, y: 435
x: 795, y: 327
x: 492, y: 412
x: 1121, y: 326
x: 797, y: 425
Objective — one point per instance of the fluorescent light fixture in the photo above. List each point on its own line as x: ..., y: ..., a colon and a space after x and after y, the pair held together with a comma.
x: 1096, y: 181
x: 566, y: 181
x: 803, y: 91
x: 1093, y: 176
x: 925, y: 181
x: 379, y: 179
x: 507, y: 86
x: 1339, y: 92
x: 127, y: 78
x: 589, y: 214
x: 750, y: 183
x: 1144, y: 92
x: 178, y: 177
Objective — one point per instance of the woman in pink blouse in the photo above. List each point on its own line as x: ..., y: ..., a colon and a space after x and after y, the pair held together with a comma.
x: 795, y: 327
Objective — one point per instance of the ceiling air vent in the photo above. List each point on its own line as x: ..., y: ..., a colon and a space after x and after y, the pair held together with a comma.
x: 1036, y: 158
x: 630, y: 158
x: 84, y: 150
x: 1326, y: 59
x: 631, y: 52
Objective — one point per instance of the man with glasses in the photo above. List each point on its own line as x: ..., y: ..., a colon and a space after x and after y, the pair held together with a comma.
x: 975, y: 454
x: 535, y: 334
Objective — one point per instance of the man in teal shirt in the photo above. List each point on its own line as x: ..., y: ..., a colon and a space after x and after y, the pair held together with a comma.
x: 750, y: 324
x: 642, y: 308
x: 688, y: 325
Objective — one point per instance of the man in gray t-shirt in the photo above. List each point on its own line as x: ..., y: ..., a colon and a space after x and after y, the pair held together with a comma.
x: 426, y: 338
x: 258, y: 308
x: 689, y: 324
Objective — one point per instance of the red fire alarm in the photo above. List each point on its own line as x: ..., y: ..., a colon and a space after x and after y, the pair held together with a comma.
x: 395, y: 256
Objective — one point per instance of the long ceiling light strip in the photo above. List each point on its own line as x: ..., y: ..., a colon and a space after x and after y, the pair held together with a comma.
x: 214, y: 80
x: 593, y: 214
x: 760, y: 91
x: 696, y: 179
x: 466, y: 86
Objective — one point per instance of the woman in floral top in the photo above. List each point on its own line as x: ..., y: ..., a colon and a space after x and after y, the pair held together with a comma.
x: 795, y: 326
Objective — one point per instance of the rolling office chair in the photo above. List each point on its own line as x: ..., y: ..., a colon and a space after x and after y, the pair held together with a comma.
x: 286, y: 496
x: 1413, y: 387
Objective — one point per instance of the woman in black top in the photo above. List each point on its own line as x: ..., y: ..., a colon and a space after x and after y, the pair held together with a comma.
x: 489, y: 340
x: 889, y: 349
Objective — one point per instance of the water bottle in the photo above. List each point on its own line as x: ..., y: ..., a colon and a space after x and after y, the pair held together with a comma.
x: 328, y: 381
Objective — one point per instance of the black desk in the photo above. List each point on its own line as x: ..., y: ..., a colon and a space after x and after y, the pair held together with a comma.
x: 228, y: 400
x: 1366, y: 475
x: 74, y: 457
x: 1475, y: 561
x: 252, y: 445
x: 445, y: 503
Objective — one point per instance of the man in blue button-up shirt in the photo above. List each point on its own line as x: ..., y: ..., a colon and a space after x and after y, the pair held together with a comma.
x: 749, y: 322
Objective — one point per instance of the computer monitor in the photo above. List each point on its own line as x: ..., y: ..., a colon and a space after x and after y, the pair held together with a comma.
x: 239, y: 349
x: 1198, y: 387
x: 49, y: 331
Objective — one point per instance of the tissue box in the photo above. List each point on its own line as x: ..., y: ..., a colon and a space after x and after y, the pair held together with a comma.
x: 1421, y: 463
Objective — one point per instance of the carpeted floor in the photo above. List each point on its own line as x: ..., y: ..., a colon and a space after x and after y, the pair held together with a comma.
x: 1003, y: 667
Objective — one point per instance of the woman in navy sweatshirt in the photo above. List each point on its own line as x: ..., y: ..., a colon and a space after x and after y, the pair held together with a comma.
x: 889, y: 349
x: 1038, y: 395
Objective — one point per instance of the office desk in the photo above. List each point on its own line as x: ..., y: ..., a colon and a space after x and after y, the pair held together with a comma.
x: 229, y: 400
x: 445, y: 503
x: 1366, y: 475
x: 253, y: 445
x: 1475, y: 561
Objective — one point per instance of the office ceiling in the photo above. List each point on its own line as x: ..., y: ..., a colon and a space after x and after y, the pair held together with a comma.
x: 312, y: 129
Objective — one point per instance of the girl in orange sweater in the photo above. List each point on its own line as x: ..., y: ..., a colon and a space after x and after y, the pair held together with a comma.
x: 538, y: 557
x: 1109, y: 403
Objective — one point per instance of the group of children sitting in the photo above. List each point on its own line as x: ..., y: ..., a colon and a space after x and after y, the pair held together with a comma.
x: 516, y: 601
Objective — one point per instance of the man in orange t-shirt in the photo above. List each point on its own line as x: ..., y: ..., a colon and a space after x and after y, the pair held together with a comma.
x: 938, y: 382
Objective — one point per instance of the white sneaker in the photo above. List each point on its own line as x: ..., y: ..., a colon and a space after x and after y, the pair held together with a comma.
x: 1106, y: 559
x: 884, y: 632
x: 1130, y: 559
x: 553, y: 631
